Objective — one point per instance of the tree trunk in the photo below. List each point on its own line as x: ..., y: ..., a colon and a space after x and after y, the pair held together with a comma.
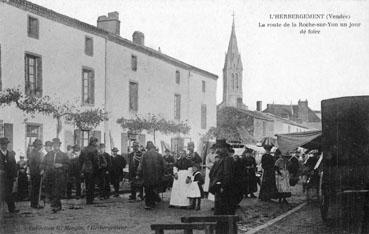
x: 154, y: 138
x: 58, y: 126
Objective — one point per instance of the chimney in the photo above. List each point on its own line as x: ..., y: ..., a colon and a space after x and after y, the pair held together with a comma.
x: 138, y: 38
x: 259, y: 106
x: 110, y: 23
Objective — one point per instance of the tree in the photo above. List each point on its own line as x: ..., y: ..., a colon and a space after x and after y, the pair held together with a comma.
x: 83, y: 119
x: 153, y: 124
x: 232, y: 124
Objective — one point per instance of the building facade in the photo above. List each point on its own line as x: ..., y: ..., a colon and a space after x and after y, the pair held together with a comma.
x: 48, y: 53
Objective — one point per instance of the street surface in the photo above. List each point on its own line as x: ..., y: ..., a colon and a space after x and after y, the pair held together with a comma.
x: 117, y: 215
x: 308, y: 220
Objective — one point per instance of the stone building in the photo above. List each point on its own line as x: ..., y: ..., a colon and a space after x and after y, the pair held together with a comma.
x: 300, y: 113
x: 43, y: 52
x: 252, y: 126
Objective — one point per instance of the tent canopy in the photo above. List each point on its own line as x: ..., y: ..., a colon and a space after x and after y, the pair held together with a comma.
x: 308, y: 140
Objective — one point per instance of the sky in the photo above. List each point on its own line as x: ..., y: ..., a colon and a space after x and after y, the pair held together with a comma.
x: 280, y: 65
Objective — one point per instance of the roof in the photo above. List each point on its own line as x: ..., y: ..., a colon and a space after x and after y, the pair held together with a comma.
x: 287, y: 121
x: 254, y: 114
x: 291, y: 110
x: 72, y: 22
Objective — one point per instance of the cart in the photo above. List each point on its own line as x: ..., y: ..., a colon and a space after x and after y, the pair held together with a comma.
x: 345, y: 143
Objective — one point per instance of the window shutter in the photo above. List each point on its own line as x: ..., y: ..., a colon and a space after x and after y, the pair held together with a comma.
x: 8, y: 133
x: 124, y: 143
x: 26, y: 81
x: 92, y: 87
x: 97, y: 134
x: 39, y: 77
x: 77, y: 137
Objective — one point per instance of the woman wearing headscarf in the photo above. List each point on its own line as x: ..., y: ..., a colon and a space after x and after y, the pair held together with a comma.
x: 282, y: 177
x: 178, y: 196
x: 249, y: 163
x: 268, y: 189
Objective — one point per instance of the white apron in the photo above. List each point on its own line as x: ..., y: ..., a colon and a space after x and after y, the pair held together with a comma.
x: 178, y: 196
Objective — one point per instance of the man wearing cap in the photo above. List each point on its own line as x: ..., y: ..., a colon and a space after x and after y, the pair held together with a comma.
x: 55, y: 166
x: 134, y: 160
x: 118, y: 164
x: 151, y: 170
x: 89, y: 165
x: 34, y: 162
x: 192, y: 155
x: 222, y: 180
x: 8, y: 170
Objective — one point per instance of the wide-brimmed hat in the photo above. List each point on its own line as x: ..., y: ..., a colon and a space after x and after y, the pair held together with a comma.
x: 221, y: 143
x: 4, y: 140
x: 115, y: 149
x: 37, y: 142
x: 56, y: 141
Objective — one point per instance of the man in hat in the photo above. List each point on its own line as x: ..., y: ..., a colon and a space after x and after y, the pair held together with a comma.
x: 151, y: 170
x: 118, y: 164
x: 222, y: 180
x: 89, y: 166
x: 35, y: 158
x: 74, y: 173
x: 192, y: 155
x: 55, y: 166
x: 102, y: 169
x: 134, y: 159
x: 8, y: 169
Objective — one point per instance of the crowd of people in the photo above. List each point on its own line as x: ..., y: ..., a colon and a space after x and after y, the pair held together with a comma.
x: 227, y: 179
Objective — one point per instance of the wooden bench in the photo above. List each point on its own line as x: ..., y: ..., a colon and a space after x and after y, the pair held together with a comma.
x: 188, y: 228
x: 226, y: 224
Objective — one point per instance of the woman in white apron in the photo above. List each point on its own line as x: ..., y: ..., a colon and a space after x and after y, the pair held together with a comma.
x: 181, y: 170
x: 210, y: 159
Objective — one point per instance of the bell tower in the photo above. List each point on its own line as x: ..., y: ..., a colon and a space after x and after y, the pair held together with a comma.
x: 232, y: 74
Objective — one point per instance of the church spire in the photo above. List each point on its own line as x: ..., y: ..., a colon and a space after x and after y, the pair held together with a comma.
x: 232, y: 73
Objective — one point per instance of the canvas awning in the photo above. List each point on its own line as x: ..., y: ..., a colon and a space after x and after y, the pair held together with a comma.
x: 308, y: 140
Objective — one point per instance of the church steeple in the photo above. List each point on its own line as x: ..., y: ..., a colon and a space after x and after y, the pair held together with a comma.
x: 232, y: 73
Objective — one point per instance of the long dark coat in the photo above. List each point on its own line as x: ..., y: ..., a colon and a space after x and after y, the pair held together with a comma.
x: 89, y: 160
x: 133, y: 163
x: 118, y: 163
x: 8, y: 172
x: 268, y: 189
x: 249, y: 164
x: 151, y: 169
x: 55, y: 178
x: 34, y: 162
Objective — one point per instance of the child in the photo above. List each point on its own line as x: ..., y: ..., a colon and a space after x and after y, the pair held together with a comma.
x: 196, y: 191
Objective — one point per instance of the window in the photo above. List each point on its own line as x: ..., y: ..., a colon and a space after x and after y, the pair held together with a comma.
x: 85, y: 136
x: 203, y: 116
x: 203, y: 86
x: 134, y: 62
x: 89, y: 46
x: 177, y: 106
x: 236, y: 81
x: 133, y: 96
x: 88, y: 87
x: 33, y: 27
x: 33, y: 75
x: 178, y: 77
x: 232, y: 81
x: 33, y: 132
